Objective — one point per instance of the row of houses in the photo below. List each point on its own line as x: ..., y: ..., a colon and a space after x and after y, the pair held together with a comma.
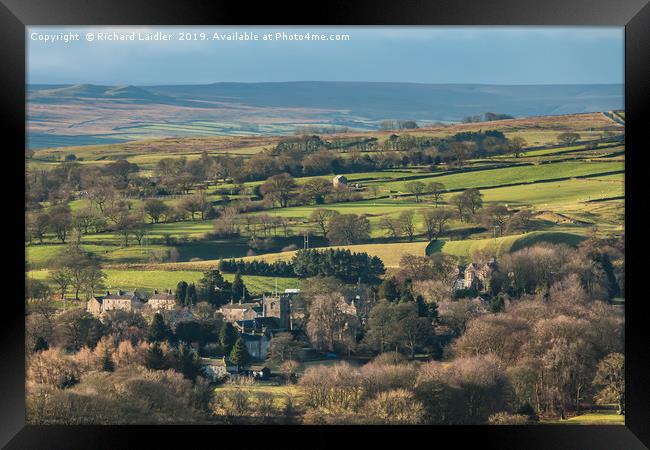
x: 256, y: 320
x: 130, y: 301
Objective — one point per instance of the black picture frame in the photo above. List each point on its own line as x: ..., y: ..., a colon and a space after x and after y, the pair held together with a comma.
x: 633, y: 14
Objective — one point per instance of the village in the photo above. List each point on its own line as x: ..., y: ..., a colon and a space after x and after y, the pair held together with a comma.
x: 258, y: 320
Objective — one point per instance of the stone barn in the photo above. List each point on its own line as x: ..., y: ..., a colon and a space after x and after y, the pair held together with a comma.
x: 340, y: 180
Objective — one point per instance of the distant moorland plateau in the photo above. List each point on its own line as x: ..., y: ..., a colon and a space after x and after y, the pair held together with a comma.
x: 82, y: 114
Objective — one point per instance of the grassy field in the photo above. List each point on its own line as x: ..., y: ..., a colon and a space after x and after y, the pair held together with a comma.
x: 601, y: 417
x: 390, y: 254
x: 515, y: 175
x: 500, y: 245
x: 148, y: 280
x: 279, y: 392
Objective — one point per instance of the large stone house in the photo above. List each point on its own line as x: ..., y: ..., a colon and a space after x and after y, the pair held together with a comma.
x: 271, y: 312
x: 257, y: 345
x: 266, y: 325
x: 478, y: 275
x: 162, y: 300
x: 119, y: 301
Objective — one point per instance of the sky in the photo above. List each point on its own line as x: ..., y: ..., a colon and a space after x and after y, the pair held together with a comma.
x: 482, y: 55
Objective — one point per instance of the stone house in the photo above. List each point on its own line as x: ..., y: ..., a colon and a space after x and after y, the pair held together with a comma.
x: 478, y: 275
x: 162, y: 300
x: 263, y: 325
x: 257, y: 345
x: 121, y: 300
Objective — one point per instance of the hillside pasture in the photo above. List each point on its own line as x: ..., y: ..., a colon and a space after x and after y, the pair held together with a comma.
x: 500, y: 245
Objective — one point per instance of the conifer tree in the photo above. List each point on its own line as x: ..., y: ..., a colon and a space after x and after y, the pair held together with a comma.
x: 239, y: 354
x: 187, y: 361
x: 154, y: 358
x: 388, y: 290
x: 158, y: 331
x: 181, y: 292
x: 213, y: 288
x: 227, y: 336
x: 41, y: 344
x: 107, y: 361
x: 191, y: 296
x: 239, y: 288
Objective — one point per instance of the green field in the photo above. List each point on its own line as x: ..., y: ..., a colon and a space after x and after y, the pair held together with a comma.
x: 148, y: 280
x: 279, y: 392
x: 602, y: 417
x: 500, y: 245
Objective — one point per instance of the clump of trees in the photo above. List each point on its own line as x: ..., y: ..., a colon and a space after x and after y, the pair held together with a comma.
x: 398, y: 125
x: 487, y: 117
x: 568, y: 138
x: 348, y: 229
x: 340, y: 263
x: 257, y: 267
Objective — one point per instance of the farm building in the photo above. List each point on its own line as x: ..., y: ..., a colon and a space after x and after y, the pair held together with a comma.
x: 340, y: 180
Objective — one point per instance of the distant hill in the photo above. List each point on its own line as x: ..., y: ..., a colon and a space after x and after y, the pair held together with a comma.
x: 62, y: 115
x: 414, y: 101
x: 374, y: 101
x: 90, y: 93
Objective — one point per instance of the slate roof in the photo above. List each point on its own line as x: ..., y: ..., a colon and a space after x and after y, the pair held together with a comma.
x: 121, y: 295
x: 240, y: 306
x: 162, y: 296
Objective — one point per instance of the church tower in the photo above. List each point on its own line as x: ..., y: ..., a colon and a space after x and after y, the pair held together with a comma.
x: 278, y: 306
